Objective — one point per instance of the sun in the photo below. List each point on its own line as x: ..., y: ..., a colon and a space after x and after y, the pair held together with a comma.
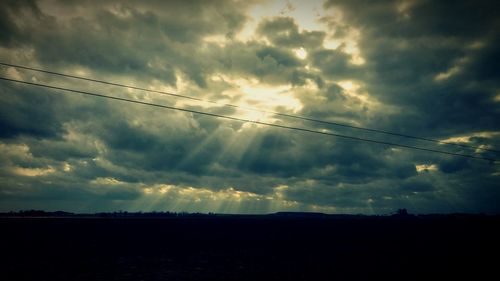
x: 301, y: 53
x: 257, y: 101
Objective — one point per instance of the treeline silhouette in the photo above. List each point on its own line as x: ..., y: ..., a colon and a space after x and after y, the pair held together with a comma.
x: 117, y: 214
x: 399, y: 213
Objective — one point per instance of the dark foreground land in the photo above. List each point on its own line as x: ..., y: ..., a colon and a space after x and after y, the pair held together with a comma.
x: 250, y: 248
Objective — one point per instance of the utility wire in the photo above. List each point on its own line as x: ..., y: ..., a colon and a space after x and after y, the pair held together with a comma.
x: 492, y: 160
x: 250, y: 109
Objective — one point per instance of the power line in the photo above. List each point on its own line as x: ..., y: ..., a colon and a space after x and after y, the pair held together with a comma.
x: 298, y: 117
x: 247, y: 120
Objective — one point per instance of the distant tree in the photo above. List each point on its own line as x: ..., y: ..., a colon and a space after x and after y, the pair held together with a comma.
x: 402, y: 212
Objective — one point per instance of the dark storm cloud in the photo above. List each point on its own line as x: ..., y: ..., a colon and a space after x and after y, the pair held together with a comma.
x: 428, y: 71
x: 151, y: 40
x: 270, y: 64
x: 25, y: 113
x: 407, y: 49
x: 335, y: 63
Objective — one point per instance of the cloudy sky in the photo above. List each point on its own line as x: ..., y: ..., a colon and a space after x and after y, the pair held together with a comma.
x: 423, y: 68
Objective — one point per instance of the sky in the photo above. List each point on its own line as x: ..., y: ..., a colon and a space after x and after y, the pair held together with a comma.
x: 420, y: 68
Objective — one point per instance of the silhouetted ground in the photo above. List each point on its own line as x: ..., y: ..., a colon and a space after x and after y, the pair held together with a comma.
x: 283, y: 247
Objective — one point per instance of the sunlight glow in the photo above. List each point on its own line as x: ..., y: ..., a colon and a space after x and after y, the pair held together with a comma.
x: 452, y: 71
x: 67, y: 167
x: 468, y: 138
x: 447, y: 74
x: 348, y: 85
x: 255, y: 116
x: 220, y: 40
x: 13, y: 73
x: 106, y: 181
x: 253, y: 94
x: 497, y: 98
x: 403, y: 8
x: 476, y: 45
x: 33, y: 172
x: 270, y: 97
x: 352, y: 90
x: 357, y: 59
x: 228, y: 200
x: 301, y: 53
x: 426, y: 168
x: 21, y: 150
x: 347, y: 43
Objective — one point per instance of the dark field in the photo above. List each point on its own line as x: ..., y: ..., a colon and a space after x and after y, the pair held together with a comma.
x: 250, y: 248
